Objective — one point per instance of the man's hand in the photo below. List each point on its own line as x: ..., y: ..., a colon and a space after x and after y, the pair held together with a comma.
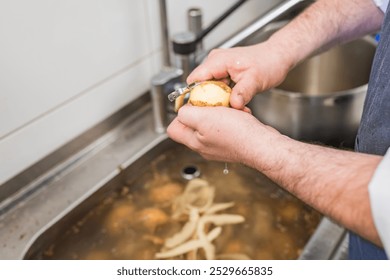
x: 260, y: 67
x: 228, y: 138
x: 253, y: 69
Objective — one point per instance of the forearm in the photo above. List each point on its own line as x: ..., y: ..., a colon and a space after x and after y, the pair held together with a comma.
x: 324, y: 24
x: 333, y: 181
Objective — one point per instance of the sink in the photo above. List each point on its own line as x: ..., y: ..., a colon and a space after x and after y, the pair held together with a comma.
x: 106, y: 225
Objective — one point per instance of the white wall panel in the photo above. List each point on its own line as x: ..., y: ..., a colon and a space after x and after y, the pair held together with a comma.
x: 65, y: 66
x: 46, y: 134
x: 53, y: 50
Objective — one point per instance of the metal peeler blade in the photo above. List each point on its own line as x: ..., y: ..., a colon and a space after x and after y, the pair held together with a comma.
x: 180, y: 91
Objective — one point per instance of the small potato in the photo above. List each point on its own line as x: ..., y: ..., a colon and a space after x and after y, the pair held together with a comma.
x: 119, y: 218
x: 151, y: 218
x: 208, y: 93
x: 165, y: 193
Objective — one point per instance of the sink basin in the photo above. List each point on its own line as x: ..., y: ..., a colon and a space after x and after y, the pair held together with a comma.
x: 112, y: 224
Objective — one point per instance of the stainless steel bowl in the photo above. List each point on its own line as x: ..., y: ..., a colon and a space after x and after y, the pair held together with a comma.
x: 321, y: 99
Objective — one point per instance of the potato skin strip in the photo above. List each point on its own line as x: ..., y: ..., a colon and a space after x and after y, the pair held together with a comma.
x: 197, y: 194
x: 222, y: 219
x: 186, y: 232
x: 179, y: 102
x: 219, y: 207
x: 208, y: 248
x: 219, y: 220
x: 189, y: 246
x: 196, y: 205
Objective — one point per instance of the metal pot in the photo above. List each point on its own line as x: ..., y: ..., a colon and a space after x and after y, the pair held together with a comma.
x: 321, y: 99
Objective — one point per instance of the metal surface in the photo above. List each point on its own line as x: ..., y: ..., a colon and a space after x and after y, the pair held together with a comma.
x: 325, y: 243
x: 186, y: 62
x: 320, y: 246
x: 272, y: 15
x: 180, y: 91
x: 190, y: 172
x: 166, y: 58
x: 200, y: 36
x: 322, y: 99
x: 63, y: 190
x: 185, y: 44
x: 163, y: 83
x: 194, y: 18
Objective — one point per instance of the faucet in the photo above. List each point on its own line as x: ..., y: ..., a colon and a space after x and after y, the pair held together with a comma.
x: 186, y: 44
x: 163, y: 82
x: 188, y: 50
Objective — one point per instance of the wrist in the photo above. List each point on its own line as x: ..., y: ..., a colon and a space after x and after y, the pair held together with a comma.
x: 268, y: 150
x: 284, y: 52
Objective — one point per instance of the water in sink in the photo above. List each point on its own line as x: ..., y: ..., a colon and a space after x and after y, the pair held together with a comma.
x: 135, y: 218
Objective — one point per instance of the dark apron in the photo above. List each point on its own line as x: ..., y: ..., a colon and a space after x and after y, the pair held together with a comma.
x: 374, y: 131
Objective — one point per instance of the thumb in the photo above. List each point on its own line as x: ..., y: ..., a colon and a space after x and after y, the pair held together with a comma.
x: 191, y: 116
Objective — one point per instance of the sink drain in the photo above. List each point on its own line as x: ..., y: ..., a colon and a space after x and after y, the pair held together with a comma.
x: 190, y: 172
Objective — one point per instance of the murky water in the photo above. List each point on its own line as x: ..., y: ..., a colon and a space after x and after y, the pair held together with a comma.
x: 134, y: 221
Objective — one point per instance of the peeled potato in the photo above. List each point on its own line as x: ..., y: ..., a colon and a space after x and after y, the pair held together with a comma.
x: 208, y: 93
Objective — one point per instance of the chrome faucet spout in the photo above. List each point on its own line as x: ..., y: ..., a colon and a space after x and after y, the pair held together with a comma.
x: 272, y: 15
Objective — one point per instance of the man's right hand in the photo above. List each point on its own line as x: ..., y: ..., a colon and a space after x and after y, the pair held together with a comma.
x: 253, y: 69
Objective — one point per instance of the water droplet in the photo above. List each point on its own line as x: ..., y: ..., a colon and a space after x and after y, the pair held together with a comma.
x: 226, y: 170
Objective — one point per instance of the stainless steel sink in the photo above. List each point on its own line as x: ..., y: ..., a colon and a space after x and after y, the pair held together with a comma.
x: 277, y: 225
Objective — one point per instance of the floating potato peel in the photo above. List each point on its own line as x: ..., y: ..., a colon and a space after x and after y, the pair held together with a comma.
x: 197, y: 203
